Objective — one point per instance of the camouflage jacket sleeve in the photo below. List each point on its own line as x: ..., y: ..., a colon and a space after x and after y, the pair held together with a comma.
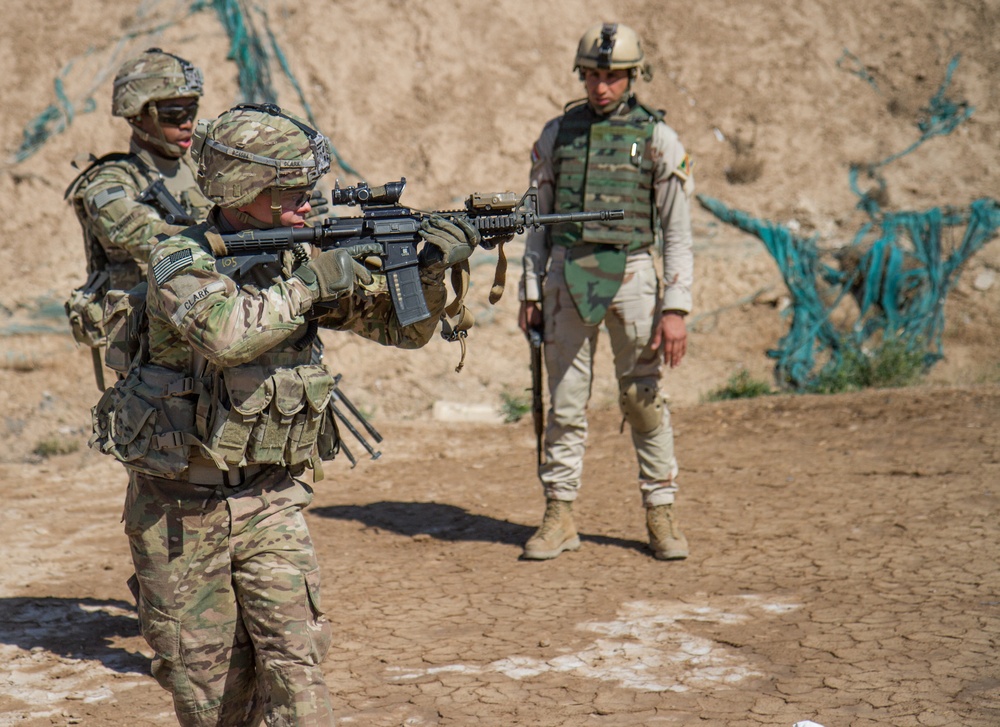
x: 226, y: 323
x: 536, y: 247
x: 123, y: 227
x: 673, y: 186
x: 369, y: 313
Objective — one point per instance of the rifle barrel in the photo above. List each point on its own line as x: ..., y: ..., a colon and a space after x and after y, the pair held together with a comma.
x: 594, y: 216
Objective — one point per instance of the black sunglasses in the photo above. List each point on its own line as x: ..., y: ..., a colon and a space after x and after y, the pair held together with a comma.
x: 175, y: 114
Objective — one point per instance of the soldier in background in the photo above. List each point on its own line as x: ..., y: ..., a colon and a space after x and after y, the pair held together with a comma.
x: 221, y: 411
x: 117, y: 199
x: 605, y: 152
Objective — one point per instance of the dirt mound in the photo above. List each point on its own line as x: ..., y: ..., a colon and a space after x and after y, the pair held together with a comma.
x: 451, y: 95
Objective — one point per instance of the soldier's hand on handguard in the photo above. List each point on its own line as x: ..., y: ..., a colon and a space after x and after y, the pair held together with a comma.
x: 319, y: 206
x: 670, y: 336
x: 446, y: 243
x: 332, y: 274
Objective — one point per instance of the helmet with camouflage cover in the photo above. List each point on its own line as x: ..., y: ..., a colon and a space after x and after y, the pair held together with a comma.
x: 255, y: 147
x: 153, y: 76
x: 611, y: 47
x: 142, y: 81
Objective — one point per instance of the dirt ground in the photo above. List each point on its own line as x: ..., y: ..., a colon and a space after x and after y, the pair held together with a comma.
x: 843, y: 570
x: 844, y: 548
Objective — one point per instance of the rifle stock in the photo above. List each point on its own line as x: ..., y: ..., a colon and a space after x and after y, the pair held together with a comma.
x: 535, y: 339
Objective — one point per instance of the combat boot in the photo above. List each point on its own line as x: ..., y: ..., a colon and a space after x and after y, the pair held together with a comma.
x: 665, y: 537
x: 556, y: 534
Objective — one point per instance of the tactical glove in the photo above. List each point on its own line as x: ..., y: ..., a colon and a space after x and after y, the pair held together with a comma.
x: 446, y: 243
x: 318, y: 204
x: 332, y: 274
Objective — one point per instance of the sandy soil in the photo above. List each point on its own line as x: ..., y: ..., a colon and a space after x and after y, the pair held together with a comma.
x: 844, y: 548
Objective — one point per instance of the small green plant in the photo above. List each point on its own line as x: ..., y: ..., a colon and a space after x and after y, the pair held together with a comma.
x: 514, y: 407
x: 741, y: 385
x: 891, y: 365
x: 55, y: 445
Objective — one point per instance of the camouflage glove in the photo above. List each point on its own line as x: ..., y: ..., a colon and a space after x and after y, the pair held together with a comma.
x: 332, y: 274
x: 446, y: 243
x: 319, y: 204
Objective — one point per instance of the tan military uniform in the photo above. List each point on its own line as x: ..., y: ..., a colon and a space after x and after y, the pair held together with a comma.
x: 632, y: 315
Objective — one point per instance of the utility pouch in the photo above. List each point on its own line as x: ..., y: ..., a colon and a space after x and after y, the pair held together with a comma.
x: 267, y: 416
x: 304, y: 435
x: 125, y: 319
x: 85, y: 310
x: 146, y: 424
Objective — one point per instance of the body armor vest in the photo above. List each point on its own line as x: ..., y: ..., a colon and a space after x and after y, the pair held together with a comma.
x: 602, y: 163
x: 271, y: 411
x: 122, y: 271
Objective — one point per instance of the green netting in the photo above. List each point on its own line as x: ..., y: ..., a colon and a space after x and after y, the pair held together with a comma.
x: 246, y: 50
x: 899, y: 267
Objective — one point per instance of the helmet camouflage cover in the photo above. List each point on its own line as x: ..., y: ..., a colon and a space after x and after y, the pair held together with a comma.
x: 253, y: 147
x: 609, y: 46
x: 153, y: 76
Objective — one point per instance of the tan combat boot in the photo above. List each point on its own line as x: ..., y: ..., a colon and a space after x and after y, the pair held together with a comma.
x: 665, y: 538
x: 556, y: 534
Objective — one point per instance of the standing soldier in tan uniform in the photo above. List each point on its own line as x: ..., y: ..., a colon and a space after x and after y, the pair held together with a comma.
x: 223, y: 406
x: 123, y: 199
x: 605, y: 152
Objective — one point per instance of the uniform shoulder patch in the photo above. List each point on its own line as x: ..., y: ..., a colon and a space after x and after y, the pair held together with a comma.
x: 169, y: 266
x: 683, y: 169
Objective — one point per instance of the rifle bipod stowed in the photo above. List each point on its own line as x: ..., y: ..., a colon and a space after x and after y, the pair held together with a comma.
x: 340, y: 396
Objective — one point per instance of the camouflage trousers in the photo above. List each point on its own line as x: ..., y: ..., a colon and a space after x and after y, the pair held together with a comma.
x: 227, y: 586
x: 570, y: 344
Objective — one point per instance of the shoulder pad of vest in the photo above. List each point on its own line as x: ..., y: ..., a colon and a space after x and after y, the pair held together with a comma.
x: 654, y: 114
x: 575, y: 106
x: 97, y: 162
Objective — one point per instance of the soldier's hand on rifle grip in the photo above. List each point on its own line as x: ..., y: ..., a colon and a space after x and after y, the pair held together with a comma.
x: 318, y: 204
x: 529, y: 317
x: 332, y: 274
x: 446, y: 242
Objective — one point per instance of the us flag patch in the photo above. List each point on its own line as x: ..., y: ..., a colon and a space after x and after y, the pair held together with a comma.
x: 168, y: 266
x: 535, y: 155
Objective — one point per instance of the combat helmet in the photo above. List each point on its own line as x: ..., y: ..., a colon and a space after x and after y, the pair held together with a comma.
x: 611, y: 47
x: 255, y: 147
x: 153, y: 76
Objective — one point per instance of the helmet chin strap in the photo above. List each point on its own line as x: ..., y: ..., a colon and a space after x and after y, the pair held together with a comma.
x: 275, y: 213
x: 275, y: 206
x: 159, y: 142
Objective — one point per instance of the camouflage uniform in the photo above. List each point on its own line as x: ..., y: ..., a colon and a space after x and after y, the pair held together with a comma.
x: 229, y: 584
x: 222, y: 408
x: 118, y: 229
x: 589, y: 276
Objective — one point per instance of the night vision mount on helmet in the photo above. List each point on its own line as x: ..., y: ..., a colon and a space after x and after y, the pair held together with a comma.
x: 611, y: 47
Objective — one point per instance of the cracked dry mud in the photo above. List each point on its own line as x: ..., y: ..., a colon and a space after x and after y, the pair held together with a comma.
x: 843, y: 570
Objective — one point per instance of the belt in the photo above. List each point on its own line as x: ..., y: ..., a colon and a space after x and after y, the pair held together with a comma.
x: 209, y: 474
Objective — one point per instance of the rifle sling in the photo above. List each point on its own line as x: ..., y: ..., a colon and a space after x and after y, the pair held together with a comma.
x: 456, y: 320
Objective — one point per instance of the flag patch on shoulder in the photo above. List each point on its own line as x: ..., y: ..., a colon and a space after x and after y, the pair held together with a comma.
x: 168, y: 266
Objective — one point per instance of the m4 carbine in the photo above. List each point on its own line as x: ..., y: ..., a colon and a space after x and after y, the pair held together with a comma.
x: 391, y: 231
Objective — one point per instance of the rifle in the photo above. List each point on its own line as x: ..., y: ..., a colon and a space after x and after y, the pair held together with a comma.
x: 390, y: 231
x: 159, y: 196
x: 537, y: 403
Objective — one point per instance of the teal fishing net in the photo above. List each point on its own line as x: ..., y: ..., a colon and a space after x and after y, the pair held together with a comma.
x: 899, y: 268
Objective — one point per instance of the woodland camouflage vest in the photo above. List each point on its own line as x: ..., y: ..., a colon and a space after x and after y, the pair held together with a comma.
x: 601, y: 163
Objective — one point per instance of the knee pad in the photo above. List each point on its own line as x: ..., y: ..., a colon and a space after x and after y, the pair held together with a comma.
x: 642, y: 404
